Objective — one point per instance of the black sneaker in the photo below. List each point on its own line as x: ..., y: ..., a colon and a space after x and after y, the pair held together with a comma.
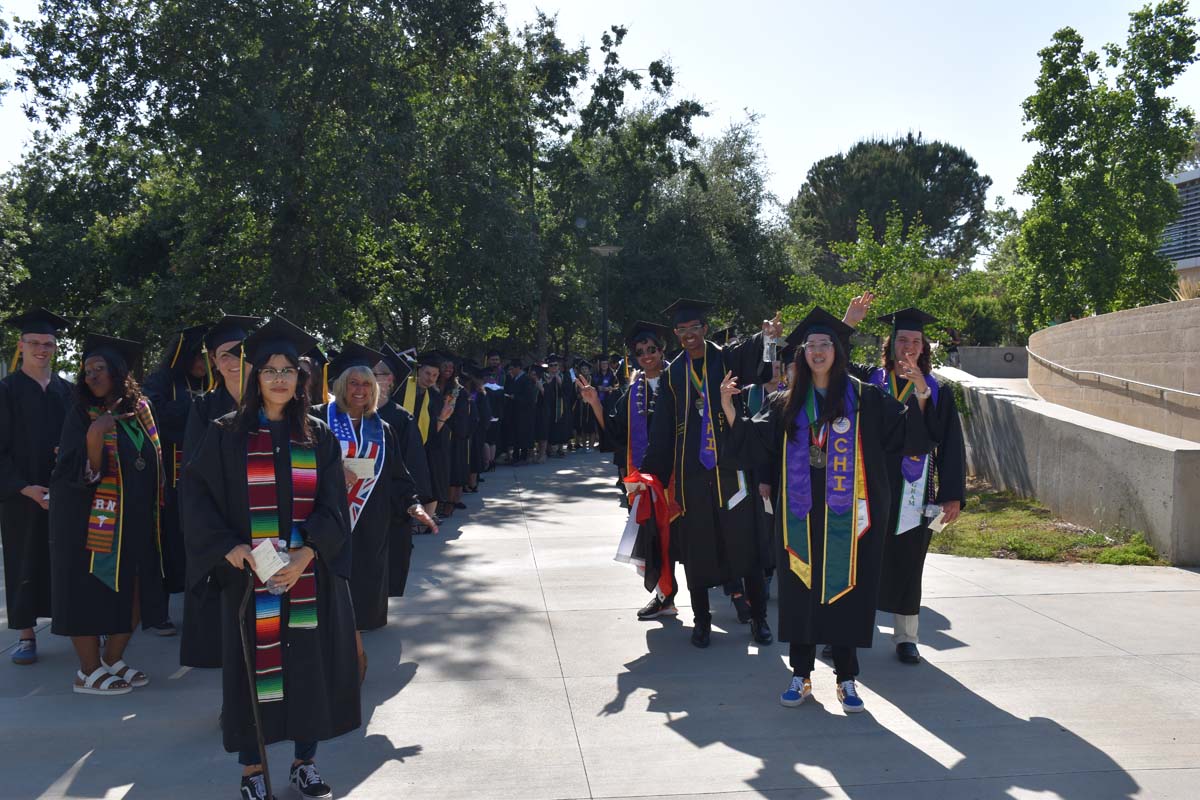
x: 701, y: 633
x: 254, y: 787
x: 761, y: 632
x: 164, y: 628
x: 657, y: 608
x: 308, y: 781
x: 742, y: 606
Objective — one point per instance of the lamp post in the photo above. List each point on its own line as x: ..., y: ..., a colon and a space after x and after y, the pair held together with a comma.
x: 605, y: 252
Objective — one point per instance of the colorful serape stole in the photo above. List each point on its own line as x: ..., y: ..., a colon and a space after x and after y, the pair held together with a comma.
x: 264, y: 524
x: 847, y: 513
x: 410, y: 405
x: 914, y: 470
x: 106, y: 520
x: 369, y: 445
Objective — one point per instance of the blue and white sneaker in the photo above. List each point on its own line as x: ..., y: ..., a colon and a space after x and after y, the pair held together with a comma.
x: 848, y: 695
x: 799, y: 691
x: 25, y: 652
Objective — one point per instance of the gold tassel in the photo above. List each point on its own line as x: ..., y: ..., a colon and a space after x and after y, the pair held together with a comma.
x: 178, y: 349
x: 212, y: 381
x: 16, y: 356
x: 324, y: 383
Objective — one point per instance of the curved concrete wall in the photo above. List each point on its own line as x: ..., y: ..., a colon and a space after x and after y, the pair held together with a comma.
x: 1155, y: 344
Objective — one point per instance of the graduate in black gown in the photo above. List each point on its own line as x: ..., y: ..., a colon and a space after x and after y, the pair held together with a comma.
x: 379, y: 489
x: 520, y: 414
x: 714, y: 499
x: 419, y: 396
x: 829, y: 439
x: 200, y: 639
x: 541, y: 420
x: 493, y: 384
x: 584, y: 427
x: 33, y: 405
x: 183, y: 375
x: 391, y: 372
x: 106, y: 490
x: 557, y: 405
x: 922, y: 486
x: 625, y: 430
x: 272, y: 457
x: 458, y: 427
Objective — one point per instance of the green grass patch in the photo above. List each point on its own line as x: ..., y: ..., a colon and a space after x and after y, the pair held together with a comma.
x: 1000, y: 524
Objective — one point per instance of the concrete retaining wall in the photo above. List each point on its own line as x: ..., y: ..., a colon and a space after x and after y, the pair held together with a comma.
x: 1088, y: 470
x: 995, y: 362
x: 1156, y: 344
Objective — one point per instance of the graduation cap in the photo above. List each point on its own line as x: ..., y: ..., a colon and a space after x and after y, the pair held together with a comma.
x: 819, y: 321
x: 230, y: 328
x: 124, y: 352
x: 397, y: 363
x: 476, y: 372
x: 183, y: 348
x: 612, y: 359
x: 431, y: 358
x: 639, y: 330
x: 515, y: 363
x: 354, y: 355
x: 684, y: 310
x: 908, y: 319
x: 277, y: 337
x: 38, y: 320
x: 723, y: 336
x: 583, y: 362
x: 551, y: 359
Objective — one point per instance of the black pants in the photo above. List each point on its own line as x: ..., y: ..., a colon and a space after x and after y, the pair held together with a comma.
x: 803, y: 657
x: 756, y: 591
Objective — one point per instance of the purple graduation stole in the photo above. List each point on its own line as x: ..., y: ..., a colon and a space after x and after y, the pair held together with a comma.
x: 914, y: 470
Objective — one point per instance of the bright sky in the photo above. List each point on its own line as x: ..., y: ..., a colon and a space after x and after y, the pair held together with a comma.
x: 823, y: 75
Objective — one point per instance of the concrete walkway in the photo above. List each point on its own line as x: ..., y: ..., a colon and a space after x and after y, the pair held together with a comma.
x: 516, y: 668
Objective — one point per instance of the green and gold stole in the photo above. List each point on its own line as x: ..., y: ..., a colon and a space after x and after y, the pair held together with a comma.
x: 264, y: 524
x: 847, y: 514
x: 106, y: 520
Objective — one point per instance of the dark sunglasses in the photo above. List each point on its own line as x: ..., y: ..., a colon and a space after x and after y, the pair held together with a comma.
x: 649, y: 351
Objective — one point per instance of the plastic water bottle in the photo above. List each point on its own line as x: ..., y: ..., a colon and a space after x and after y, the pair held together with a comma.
x: 932, y: 510
x: 770, y: 349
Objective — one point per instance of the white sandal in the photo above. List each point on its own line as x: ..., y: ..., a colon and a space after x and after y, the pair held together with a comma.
x: 100, y: 682
x: 126, y: 673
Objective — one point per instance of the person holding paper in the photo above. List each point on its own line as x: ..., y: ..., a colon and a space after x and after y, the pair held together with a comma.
x: 105, y: 540
x: 269, y: 471
x: 828, y: 438
x: 379, y: 489
x: 714, y: 519
x: 920, y: 484
x: 391, y: 372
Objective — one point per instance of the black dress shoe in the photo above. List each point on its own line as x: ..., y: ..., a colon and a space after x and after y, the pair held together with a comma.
x: 742, y: 606
x: 907, y: 653
x: 761, y: 631
x: 702, y: 634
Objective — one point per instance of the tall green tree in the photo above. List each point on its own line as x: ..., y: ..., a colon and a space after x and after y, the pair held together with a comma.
x: 931, y: 181
x: 1108, y: 137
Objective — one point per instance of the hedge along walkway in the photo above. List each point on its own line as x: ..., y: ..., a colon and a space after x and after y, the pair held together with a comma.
x: 515, y: 668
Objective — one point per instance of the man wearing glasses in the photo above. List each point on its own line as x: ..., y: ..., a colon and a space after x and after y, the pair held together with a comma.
x: 33, y: 405
x: 712, y: 532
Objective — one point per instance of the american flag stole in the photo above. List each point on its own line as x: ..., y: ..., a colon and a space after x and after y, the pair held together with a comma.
x: 264, y: 524
x: 369, y: 446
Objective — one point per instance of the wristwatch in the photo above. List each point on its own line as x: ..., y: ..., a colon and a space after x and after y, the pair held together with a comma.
x: 925, y: 395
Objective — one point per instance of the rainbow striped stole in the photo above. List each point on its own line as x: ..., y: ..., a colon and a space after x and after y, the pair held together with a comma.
x: 105, y: 528
x: 264, y: 524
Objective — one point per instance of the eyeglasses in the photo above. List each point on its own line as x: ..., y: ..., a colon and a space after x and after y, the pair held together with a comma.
x: 36, y: 345
x: 684, y: 330
x: 818, y: 347
x: 271, y: 374
x: 648, y: 351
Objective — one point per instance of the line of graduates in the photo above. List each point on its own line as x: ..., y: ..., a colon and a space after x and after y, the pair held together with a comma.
x: 823, y: 473
x: 117, y: 495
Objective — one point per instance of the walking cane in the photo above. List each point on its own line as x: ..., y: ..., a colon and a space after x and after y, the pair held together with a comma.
x: 249, y: 659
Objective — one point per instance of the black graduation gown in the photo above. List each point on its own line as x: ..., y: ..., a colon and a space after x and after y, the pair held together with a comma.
x: 200, y: 633
x: 556, y: 406
x: 541, y: 419
x: 409, y: 437
x: 904, y: 555
x: 481, y: 419
x: 713, y: 536
x: 459, y: 426
x: 383, y: 524
x: 495, y: 399
x: 524, y: 411
x: 886, y: 431
x: 83, y: 604
x: 171, y: 399
x: 31, y: 422
x: 437, y: 457
x: 320, y: 666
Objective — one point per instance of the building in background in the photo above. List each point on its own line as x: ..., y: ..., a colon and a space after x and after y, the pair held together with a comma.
x: 1181, y: 240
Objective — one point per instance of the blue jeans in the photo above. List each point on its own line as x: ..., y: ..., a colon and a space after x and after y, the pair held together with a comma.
x: 305, y: 751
